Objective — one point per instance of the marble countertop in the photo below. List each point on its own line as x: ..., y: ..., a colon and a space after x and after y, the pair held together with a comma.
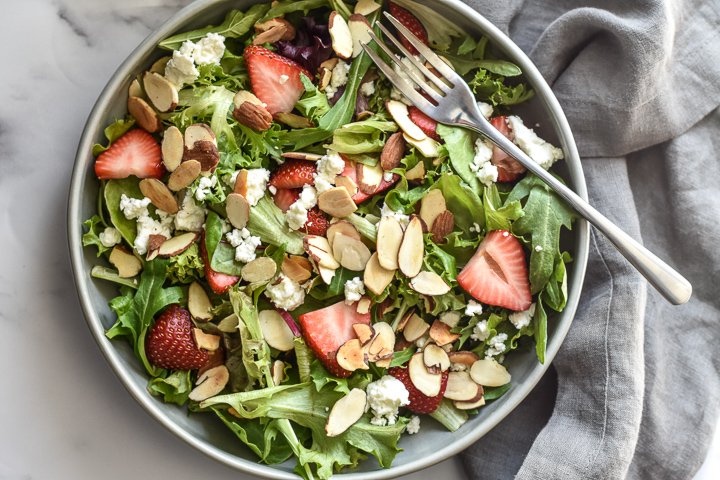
x: 63, y: 413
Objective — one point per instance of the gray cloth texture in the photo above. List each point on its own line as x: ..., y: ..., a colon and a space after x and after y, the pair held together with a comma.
x: 634, y: 392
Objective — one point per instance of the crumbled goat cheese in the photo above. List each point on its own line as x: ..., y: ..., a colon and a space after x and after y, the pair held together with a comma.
x: 388, y: 176
x: 134, y: 208
x: 486, y: 109
x: 204, y: 187
x: 354, y: 290
x: 538, y: 149
x: 338, y: 79
x: 496, y: 345
x: 484, y: 170
x: 297, y: 214
x: 413, y: 425
x: 209, y: 50
x: 327, y: 168
x: 522, y: 319
x: 367, y: 89
x: 475, y: 228
x: 386, y: 211
x: 146, y: 226
x: 191, y: 216
x: 285, y: 293
x: 272, y: 190
x: 473, y: 308
x: 480, y: 331
x: 244, y: 244
x: 109, y: 237
x: 385, y: 397
x: 181, y: 69
x: 256, y: 185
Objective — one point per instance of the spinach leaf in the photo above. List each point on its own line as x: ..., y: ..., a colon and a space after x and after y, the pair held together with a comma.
x: 540, y: 321
x: 464, y: 203
x: 114, y: 189
x: 493, y: 393
x: 497, y: 215
x: 460, y: 145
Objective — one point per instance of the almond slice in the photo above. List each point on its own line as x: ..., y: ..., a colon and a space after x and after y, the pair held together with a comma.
x: 336, y: 202
x: 450, y: 318
x: 351, y: 356
x: 210, y: 383
x: 199, y: 303
x: 318, y: 249
x: 436, y: 358
x: 275, y: 330
x: 399, y: 112
x: 429, y: 283
x: 428, y: 383
x: 461, y: 387
x: 292, y: 120
x: 205, y: 152
x: 154, y: 244
x: 144, y: 114
x: 260, y: 270
x: 369, y: 178
x: 377, y: 278
x: 389, y: 240
x: 310, y: 157
x: 173, y: 147
x: 364, y: 332
x: 363, y: 305
x: 278, y: 372
x: 489, y: 373
x: 274, y: 33
x: 135, y: 90
x: 161, y: 92
x: 415, y: 327
x: 366, y: 7
x: 206, y: 341
x: 440, y: 333
x: 238, y: 210
x: 431, y: 206
x: 346, y: 412
x: 412, y: 248
x: 359, y: 32
x: 470, y: 405
x: 350, y: 252
x: 326, y: 274
x: 241, y: 186
x: 127, y: 264
x: 442, y: 226
x: 199, y: 132
x: 229, y: 324
x: 297, y: 268
x: 383, y: 343
x: 344, y: 227
x: 428, y: 147
x: 416, y: 173
x: 159, y: 65
x: 177, y: 244
x: 342, y: 42
x: 347, y: 183
x: 159, y: 194
x: 184, y: 175
x: 464, y: 358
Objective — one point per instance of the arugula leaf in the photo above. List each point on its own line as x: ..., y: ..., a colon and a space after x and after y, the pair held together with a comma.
x: 449, y: 416
x: 321, y: 291
x: 268, y: 222
x: 462, y: 201
x: 460, y: 145
x: 187, y: 266
x: 112, y: 275
x: 540, y: 321
x: 498, y: 216
x: 235, y: 25
x: 401, y: 357
x: 493, y: 393
x: 114, y: 189
x: 174, y: 388
x: 112, y: 132
x: 314, y: 103
x: 555, y: 293
x: 95, y: 227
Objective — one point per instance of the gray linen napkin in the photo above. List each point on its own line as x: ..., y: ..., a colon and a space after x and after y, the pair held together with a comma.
x: 636, y: 385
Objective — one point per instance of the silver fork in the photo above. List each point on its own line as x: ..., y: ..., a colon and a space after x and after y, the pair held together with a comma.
x: 455, y: 105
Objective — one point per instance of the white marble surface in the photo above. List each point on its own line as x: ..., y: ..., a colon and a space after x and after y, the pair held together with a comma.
x: 63, y: 414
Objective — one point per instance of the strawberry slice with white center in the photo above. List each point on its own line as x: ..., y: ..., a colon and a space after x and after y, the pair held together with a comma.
x: 327, y: 329
x: 509, y: 169
x: 497, y: 274
x: 135, y: 153
x: 275, y: 79
x: 410, y: 22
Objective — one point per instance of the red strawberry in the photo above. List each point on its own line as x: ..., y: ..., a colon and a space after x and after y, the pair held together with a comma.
x: 410, y: 22
x: 327, y: 329
x: 135, y: 153
x: 293, y: 174
x: 267, y: 76
x: 497, y: 274
x: 284, y: 197
x: 419, y: 402
x: 317, y: 223
x: 509, y: 169
x: 426, y: 124
x: 170, y: 343
x: 220, y: 283
x: 359, y: 197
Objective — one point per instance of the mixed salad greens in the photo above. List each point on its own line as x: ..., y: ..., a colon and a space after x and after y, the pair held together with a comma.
x: 305, y: 255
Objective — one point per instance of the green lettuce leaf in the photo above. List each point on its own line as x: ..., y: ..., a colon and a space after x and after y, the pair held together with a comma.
x: 174, y: 388
x: 112, y: 275
x: 497, y: 215
x: 449, y: 416
x: 186, y: 267
x: 314, y: 103
x: 112, y: 132
x: 268, y: 222
x: 464, y: 203
x: 210, y: 104
x: 288, y: 6
x: 491, y: 88
x: 366, y: 136
x: 255, y: 351
x: 95, y: 227
x: 113, y: 191
x: 440, y: 29
x: 261, y: 438
x: 460, y: 144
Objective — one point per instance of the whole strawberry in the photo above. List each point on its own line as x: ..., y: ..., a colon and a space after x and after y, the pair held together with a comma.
x: 170, y: 342
x: 419, y: 402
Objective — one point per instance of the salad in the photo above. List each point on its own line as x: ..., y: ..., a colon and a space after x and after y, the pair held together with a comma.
x: 303, y: 254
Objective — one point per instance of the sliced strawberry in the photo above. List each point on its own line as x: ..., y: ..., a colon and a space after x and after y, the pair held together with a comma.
x: 419, y: 402
x: 350, y: 171
x: 220, y: 283
x: 135, y: 153
x: 327, y: 329
x: 268, y: 72
x: 426, y: 124
x: 284, y: 197
x: 509, y: 169
x: 293, y: 174
x: 410, y: 22
x: 170, y: 343
x: 497, y: 274
x: 317, y: 223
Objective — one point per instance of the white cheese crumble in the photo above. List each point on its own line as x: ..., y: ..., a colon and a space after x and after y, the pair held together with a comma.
x: 481, y: 166
x: 354, y: 290
x: 486, y: 109
x: 209, y: 50
x: 367, y: 89
x: 386, y: 211
x: 475, y: 228
x: 538, y: 248
x: 109, y: 237
x: 480, y: 331
x: 388, y: 176
x: 413, y: 425
x: 496, y: 345
x: 297, y: 214
x: 522, y: 319
x: 204, y: 188
x: 326, y: 169
x: 384, y: 398
x: 473, y: 308
x: 181, y: 69
x: 146, y: 226
x: 244, y: 244
x: 538, y: 149
x: 285, y: 293
x: 256, y: 184
x: 338, y: 78
x: 133, y: 208
x: 191, y: 216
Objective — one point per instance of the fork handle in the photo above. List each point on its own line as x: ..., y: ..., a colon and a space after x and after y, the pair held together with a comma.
x: 673, y: 286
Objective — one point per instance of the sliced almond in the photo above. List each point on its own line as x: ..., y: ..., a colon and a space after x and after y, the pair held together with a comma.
x: 278, y: 372
x: 310, y: 157
x: 326, y: 274
x: 393, y: 151
x: 383, y: 343
x: 318, y: 249
x: 366, y: 7
x: 369, y: 178
x: 161, y: 92
x: 159, y: 194
x: 415, y: 328
x: 173, y: 147
x: 412, y: 248
x: 177, y: 244
x: 205, y: 341
x: 401, y: 325
x: 241, y: 185
x: 210, y: 383
x: 389, y: 240
x: 325, y: 78
x: 470, y: 405
x: 350, y: 252
x: 344, y: 227
x: 297, y: 268
x: 154, y: 243
x: 347, y: 183
x: 364, y: 332
x: 442, y: 226
x: 228, y: 324
x: 184, y: 175
x: 351, y: 356
x: 377, y: 278
x: 363, y: 306
x: 260, y: 270
x: 429, y: 283
x: 127, y: 264
x: 198, y: 132
x: 464, y: 358
x: 461, y: 387
x: 199, y: 303
x: 340, y: 36
x: 293, y: 121
x: 359, y: 32
x: 428, y: 147
x: 243, y: 96
x: 432, y: 205
x: 450, y: 318
x: 346, y: 412
x: 135, y: 89
x: 238, y: 210
x: 416, y: 173
x: 144, y: 114
x: 159, y: 65
x: 273, y: 31
x: 399, y: 112
x: 275, y: 330
x: 425, y: 381
x: 435, y: 357
x: 336, y: 202
x: 441, y: 334
x: 489, y: 373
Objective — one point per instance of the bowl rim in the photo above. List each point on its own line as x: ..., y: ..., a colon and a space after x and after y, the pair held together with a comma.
x: 96, y: 122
